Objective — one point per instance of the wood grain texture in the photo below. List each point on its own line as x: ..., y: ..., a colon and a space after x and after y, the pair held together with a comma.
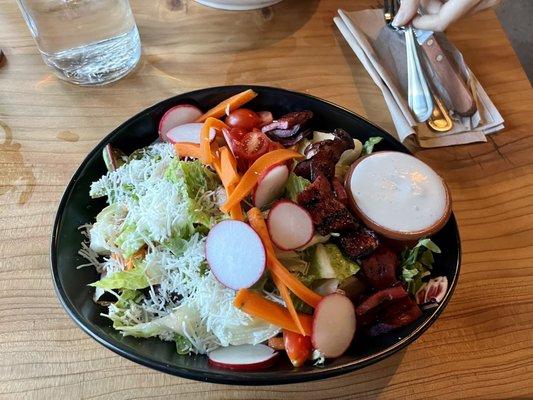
x: 481, y: 347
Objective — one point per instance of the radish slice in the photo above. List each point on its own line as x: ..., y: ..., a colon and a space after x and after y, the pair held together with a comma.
x: 245, y: 357
x: 229, y: 141
x: 333, y: 325
x: 178, y: 115
x: 266, y: 117
x: 189, y: 133
x: 290, y: 226
x: 270, y: 185
x: 235, y: 254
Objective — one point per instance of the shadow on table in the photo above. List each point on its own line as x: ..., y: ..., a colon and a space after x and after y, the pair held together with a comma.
x: 192, y: 28
x: 369, y: 94
x: 367, y: 383
x: 177, y: 39
x: 181, y: 40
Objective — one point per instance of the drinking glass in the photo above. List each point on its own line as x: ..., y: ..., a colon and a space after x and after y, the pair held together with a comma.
x: 87, y: 42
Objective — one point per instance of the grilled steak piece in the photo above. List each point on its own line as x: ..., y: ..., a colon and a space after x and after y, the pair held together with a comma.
x: 328, y: 214
x: 303, y: 169
x: 380, y: 268
x: 395, y: 315
x: 316, y: 192
x: 336, y: 146
x: 386, y: 310
x: 340, y: 192
x: 288, y: 121
x: 358, y: 244
x: 332, y: 216
x: 378, y: 299
x: 345, y: 137
x: 323, y: 163
x: 323, y: 155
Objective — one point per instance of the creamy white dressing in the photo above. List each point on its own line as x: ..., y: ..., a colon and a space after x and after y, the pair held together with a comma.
x: 398, y: 192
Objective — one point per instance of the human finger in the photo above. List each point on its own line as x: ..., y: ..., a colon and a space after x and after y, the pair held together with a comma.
x: 431, y: 6
x: 450, y: 12
x: 408, y: 9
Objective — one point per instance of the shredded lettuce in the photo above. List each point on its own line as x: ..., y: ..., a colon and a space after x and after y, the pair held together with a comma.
x: 176, y: 245
x: 183, y: 345
x: 160, y: 198
x: 368, y: 146
x: 321, y: 136
x: 106, y: 228
x: 316, y: 239
x: 416, y: 263
x: 200, y: 186
x: 130, y: 240
x: 301, y: 306
x: 298, y: 263
x: 173, y: 323
x: 347, y: 158
x: 129, y: 182
x: 294, y: 261
x: 295, y: 185
x: 342, y: 266
x: 196, y: 176
x: 181, y: 201
x: 302, y: 145
x: 322, y: 261
x: 126, y: 310
x: 167, y: 207
x: 136, y: 278
x: 328, y: 262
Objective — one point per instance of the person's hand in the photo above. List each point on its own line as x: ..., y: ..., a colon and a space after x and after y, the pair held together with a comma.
x: 439, y: 14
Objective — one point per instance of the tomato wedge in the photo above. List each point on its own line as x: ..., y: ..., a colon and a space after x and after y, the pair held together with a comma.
x: 252, y: 146
x: 236, y: 133
x: 298, y: 347
x: 243, y: 118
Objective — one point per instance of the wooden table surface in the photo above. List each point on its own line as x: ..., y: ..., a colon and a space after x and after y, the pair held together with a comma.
x: 482, y: 345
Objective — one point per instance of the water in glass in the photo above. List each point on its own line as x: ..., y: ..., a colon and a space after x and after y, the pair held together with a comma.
x: 88, y: 42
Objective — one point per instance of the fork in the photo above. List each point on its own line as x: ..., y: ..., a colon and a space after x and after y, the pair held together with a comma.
x: 389, y: 11
x: 418, y: 94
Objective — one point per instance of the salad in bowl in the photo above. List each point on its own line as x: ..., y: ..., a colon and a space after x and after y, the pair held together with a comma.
x: 242, y: 235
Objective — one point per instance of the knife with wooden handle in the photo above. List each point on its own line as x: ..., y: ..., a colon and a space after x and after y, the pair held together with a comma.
x: 462, y: 100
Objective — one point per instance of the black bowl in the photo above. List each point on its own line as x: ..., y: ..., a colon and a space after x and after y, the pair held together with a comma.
x: 77, y: 208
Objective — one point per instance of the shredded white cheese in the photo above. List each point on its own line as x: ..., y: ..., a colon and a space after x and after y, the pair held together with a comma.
x: 147, y: 209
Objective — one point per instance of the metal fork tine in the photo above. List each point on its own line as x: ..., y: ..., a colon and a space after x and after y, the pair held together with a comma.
x: 390, y: 8
x: 387, y: 11
x: 396, y: 6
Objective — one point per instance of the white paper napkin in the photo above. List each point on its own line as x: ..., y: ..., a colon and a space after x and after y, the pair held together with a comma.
x: 361, y: 30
